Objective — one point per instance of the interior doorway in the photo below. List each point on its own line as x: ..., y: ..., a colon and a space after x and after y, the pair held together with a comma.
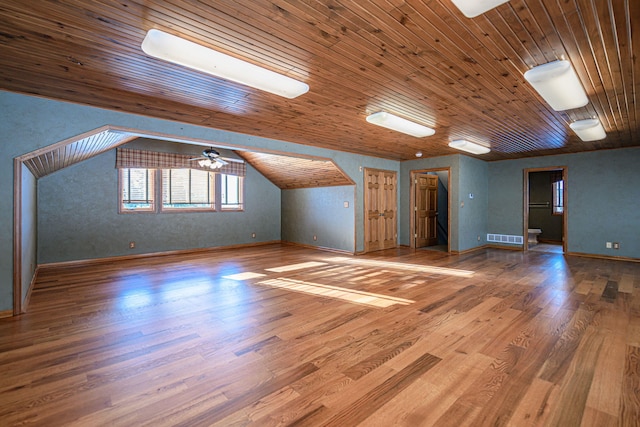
x: 381, y: 209
x: 430, y: 213
x: 545, y: 209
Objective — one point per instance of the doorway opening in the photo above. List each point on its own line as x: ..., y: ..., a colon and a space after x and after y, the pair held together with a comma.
x: 381, y: 209
x: 430, y: 209
x: 545, y: 209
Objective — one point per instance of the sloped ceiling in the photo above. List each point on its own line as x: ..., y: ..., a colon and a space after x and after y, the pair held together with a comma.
x: 422, y: 60
x: 288, y: 172
x: 284, y: 171
x: 66, y: 153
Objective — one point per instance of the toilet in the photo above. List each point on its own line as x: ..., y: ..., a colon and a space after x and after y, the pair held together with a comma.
x: 533, y: 235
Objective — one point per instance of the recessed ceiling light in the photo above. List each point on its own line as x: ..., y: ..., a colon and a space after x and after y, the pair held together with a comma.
x: 473, y: 8
x: 469, y: 147
x: 589, y: 129
x: 419, y: 154
x: 399, y: 124
x: 558, y: 83
x: 174, y: 49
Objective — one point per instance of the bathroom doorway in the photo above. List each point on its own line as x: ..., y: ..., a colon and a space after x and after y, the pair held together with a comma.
x: 545, y: 209
x: 430, y: 202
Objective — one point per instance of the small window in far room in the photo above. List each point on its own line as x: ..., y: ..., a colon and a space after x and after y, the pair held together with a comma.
x: 137, y: 190
x: 231, y: 192
x: 558, y: 197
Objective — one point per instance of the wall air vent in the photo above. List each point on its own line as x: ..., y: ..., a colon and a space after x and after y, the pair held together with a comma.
x: 504, y: 238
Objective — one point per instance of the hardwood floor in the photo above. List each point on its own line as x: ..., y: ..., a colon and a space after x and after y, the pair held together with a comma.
x: 280, y: 335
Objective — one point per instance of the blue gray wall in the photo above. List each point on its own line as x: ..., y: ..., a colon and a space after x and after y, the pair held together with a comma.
x: 320, y: 211
x: 29, y: 123
x: 603, y: 193
x: 603, y: 199
x: 78, y: 217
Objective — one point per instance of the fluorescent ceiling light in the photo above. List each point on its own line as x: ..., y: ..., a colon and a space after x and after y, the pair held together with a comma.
x: 589, y: 129
x: 399, y: 124
x: 473, y: 8
x: 469, y: 147
x: 558, y: 83
x: 183, y: 52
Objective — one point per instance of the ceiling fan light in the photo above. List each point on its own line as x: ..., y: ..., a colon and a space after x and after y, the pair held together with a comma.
x: 558, y: 83
x: 473, y: 8
x: 399, y: 124
x: 469, y: 147
x: 174, y: 49
x: 589, y: 129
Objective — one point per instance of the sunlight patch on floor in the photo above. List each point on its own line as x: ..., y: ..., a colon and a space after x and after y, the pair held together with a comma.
x: 351, y: 295
x: 300, y: 266
x: 403, y: 266
x: 244, y: 276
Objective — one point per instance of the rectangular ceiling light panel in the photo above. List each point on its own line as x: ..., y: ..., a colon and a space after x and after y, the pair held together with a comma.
x: 558, y: 83
x: 473, y: 8
x: 399, y: 124
x: 174, y: 49
x: 589, y: 129
x: 469, y: 147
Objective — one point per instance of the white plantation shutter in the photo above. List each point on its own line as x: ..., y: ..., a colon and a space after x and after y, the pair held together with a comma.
x: 187, y: 187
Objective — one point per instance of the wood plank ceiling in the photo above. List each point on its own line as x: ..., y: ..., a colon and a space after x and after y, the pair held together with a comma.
x: 422, y: 60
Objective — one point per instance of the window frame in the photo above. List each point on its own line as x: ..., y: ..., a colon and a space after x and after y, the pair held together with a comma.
x: 212, y: 192
x: 217, y: 180
x: 230, y: 207
x: 557, y: 197
x: 151, y: 192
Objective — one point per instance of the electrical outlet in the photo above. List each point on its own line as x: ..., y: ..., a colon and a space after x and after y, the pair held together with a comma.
x: 608, y: 245
x: 132, y: 245
x: 616, y: 245
x: 478, y: 238
x: 253, y: 235
x: 315, y: 237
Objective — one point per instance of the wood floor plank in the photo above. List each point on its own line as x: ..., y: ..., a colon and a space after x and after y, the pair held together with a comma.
x: 490, y: 337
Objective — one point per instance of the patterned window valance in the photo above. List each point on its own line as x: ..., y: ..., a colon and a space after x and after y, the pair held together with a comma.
x: 128, y: 158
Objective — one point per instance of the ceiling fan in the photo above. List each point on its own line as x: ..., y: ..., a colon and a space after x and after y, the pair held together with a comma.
x: 210, y: 158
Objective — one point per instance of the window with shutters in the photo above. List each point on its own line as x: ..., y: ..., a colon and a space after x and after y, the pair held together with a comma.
x: 188, y: 189
x: 177, y: 183
x: 137, y: 190
x: 231, y: 192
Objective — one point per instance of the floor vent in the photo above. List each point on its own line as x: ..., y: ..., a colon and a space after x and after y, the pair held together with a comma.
x: 504, y: 238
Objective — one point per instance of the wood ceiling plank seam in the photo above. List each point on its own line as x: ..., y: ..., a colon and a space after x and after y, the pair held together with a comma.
x: 540, y: 14
x: 32, y: 168
x: 33, y: 54
x: 623, y: 62
x: 576, y: 20
x: 544, y: 111
x: 443, y: 90
x: 513, y: 123
x: 73, y: 151
x: 273, y: 57
x: 621, y: 8
x: 633, y: 8
x: 524, y: 37
x: 229, y: 46
x: 601, y: 52
x: 108, y: 49
x: 325, y: 60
